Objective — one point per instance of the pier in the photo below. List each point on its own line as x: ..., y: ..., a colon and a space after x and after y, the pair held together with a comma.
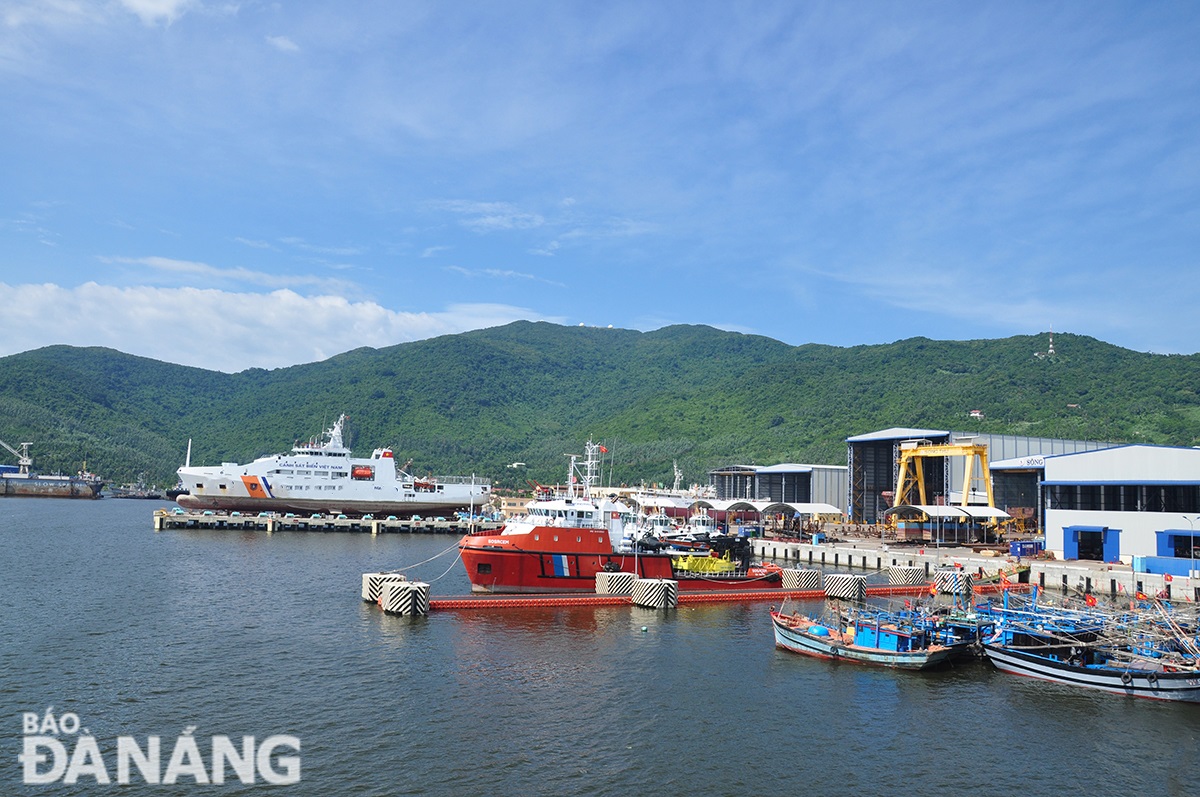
x: 1082, y: 577
x: 502, y: 601
x: 271, y: 522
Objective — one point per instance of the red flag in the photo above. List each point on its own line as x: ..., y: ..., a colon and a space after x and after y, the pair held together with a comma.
x: 1090, y: 600
x: 603, y: 450
x: 1140, y: 596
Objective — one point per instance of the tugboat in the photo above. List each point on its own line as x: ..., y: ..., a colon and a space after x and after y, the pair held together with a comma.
x: 564, y: 540
x: 322, y: 476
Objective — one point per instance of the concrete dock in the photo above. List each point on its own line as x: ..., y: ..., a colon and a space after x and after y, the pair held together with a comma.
x: 271, y: 522
x: 1102, y: 579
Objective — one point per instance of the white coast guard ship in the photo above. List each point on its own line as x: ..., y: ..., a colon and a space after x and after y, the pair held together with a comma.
x: 322, y: 476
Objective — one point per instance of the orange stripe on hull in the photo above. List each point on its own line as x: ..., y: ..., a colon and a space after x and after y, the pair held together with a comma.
x: 254, y: 487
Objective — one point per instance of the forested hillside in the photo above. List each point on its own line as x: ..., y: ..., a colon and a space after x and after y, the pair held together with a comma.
x: 532, y: 392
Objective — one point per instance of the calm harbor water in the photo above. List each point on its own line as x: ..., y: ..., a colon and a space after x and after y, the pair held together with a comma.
x: 239, y: 633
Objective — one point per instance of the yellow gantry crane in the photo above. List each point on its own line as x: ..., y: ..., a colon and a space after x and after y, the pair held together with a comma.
x: 912, y: 472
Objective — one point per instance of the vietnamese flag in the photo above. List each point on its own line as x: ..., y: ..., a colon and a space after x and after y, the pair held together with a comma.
x: 603, y: 450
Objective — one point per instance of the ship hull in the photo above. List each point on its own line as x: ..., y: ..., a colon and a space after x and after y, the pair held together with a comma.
x: 499, y: 564
x: 790, y: 635
x: 1135, y: 682
x: 330, y: 505
x: 44, y: 487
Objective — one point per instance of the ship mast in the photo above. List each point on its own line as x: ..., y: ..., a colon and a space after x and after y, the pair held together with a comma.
x: 589, y: 475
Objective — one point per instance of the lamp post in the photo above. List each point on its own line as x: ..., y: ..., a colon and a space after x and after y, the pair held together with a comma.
x: 1192, y: 541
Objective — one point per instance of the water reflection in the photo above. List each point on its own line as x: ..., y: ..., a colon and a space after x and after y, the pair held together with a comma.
x: 239, y: 632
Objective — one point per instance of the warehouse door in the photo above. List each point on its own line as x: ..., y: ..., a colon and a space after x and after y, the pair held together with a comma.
x: 1091, y: 543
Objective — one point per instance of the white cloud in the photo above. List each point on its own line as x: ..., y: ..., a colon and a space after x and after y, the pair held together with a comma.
x: 230, y: 276
x: 338, y: 251
x: 152, y: 11
x: 254, y: 244
x: 283, y: 44
x: 546, y: 251
x: 484, y: 217
x: 49, y: 13
x: 221, y: 330
x: 498, y: 273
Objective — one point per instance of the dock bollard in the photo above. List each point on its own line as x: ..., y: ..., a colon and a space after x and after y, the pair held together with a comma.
x: 405, y: 597
x: 801, y: 579
x: 656, y: 593
x: 906, y: 576
x: 372, y: 584
x: 845, y: 586
x: 614, y: 583
x: 953, y: 581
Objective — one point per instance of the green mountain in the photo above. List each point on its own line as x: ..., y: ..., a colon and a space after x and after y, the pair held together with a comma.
x: 532, y: 392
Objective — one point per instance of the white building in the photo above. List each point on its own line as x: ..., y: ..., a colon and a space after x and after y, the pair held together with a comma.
x: 1125, y: 502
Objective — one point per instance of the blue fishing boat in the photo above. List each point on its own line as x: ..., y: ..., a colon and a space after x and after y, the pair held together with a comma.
x: 1105, y: 667
x: 1142, y: 652
x: 959, y: 629
x: 881, y: 643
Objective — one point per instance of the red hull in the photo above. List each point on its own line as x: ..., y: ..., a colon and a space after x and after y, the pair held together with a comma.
x: 563, y: 560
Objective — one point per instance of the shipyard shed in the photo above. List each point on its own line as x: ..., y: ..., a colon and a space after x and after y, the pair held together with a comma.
x: 1135, y: 504
x: 1017, y: 486
x: 786, y: 483
x: 873, y: 468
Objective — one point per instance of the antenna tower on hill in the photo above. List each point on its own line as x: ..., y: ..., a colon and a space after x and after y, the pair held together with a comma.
x: 1049, y: 352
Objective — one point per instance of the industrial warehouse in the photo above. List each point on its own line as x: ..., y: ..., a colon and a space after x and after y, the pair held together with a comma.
x: 1093, y: 501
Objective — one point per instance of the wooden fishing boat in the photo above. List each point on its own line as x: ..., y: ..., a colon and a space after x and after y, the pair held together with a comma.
x: 960, y: 630
x: 879, y: 643
x: 1099, y: 667
x: 1144, y: 651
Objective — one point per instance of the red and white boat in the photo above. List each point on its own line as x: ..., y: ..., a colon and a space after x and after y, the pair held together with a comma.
x: 323, y: 476
x: 561, y: 543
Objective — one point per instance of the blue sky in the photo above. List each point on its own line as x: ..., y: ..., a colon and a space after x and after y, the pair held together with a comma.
x: 252, y: 184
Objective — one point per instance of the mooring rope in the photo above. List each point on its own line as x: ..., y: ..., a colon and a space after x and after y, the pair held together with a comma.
x: 430, y: 559
x: 453, y: 564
